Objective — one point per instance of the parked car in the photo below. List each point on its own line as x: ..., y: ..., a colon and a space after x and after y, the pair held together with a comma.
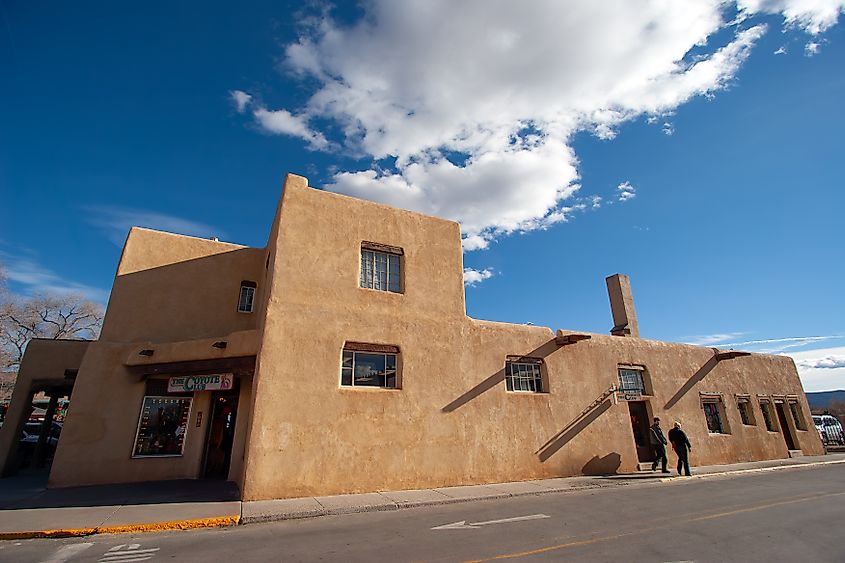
x: 829, y: 429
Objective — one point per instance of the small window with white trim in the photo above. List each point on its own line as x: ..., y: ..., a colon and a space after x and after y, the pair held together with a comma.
x: 246, y: 298
x: 524, y: 374
x: 381, y: 267
x: 633, y: 379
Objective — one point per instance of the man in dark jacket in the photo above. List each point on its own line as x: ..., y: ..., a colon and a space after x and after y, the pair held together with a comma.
x: 682, y: 447
x: 658, y: 442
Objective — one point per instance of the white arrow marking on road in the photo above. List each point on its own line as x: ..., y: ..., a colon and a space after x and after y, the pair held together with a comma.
x: 462, y: 525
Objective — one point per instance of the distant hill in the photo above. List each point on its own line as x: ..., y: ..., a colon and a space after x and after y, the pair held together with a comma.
x: 822, y: 399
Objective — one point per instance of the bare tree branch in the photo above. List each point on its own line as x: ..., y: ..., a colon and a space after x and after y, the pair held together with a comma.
x: 42, y: 316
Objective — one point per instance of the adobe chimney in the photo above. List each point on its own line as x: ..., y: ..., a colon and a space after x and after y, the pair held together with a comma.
x: 622, y: 306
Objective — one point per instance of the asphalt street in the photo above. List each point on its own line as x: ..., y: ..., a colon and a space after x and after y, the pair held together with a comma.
x: 785, y: 515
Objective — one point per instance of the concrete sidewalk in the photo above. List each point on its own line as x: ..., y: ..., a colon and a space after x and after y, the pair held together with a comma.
x: 28, y: 509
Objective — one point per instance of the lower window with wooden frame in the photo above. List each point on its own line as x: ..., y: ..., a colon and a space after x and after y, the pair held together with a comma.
x: 768, y: 415
x: 370, y: 365
x: 714, y: 413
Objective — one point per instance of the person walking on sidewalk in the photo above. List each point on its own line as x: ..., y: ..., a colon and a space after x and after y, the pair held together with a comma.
x: 658, y: 442
x: 682, y: 447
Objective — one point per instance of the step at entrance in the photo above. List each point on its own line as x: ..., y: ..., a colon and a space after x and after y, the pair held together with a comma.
x: 644, y: 466
x: 796, y: 453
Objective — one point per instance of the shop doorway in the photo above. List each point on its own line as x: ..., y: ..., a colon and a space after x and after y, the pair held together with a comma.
x: 784, y: 426
x: 221, y: 434
x: 640, y: 427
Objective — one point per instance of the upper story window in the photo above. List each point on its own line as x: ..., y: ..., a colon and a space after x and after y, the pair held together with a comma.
x: 369, y: 365
x: 381, y: 267
x: 632, y: 379
x: 524, y: 374
x: 247, y: 297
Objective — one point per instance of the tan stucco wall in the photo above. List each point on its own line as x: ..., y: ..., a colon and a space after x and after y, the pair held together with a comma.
x: 44, y: 361
x: 176, y: 295
x: 99, y: 433
x: 236, y: 465
x: 174, y: 287
x: 446, y: 426
x: 452, y: 422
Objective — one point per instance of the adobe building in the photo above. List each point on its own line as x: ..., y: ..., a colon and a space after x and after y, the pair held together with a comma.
x: 340, y: 359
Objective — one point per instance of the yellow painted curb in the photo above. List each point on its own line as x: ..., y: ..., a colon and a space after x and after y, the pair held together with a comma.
x: 61, y: 533
x: 216, y: 522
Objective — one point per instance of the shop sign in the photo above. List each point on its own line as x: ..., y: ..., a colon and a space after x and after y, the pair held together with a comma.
x: 190, y: 383
x: 629, y: 395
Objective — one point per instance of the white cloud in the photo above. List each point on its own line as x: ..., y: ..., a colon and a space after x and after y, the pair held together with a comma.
x: 710, y: 339
x: 115, y: 222
x: 478, y: 102
x: 781, y: 50
x: 626, y: 191
x: 282, y: 122
x: 34, y: 278
x: 473, y: 277
x: 668, y: 128
x: 811, y: 16
x: 821, y: 369
x: 778, y: 345
x: 241, y: 99
x: 811, y: 48
x: 826, y: 362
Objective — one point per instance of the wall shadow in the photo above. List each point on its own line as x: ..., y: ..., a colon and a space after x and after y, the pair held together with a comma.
x: 696, y: 377
x: 499, y: 376
x: 607, y: 465
x: 548, y: 449
x: 201, y: 295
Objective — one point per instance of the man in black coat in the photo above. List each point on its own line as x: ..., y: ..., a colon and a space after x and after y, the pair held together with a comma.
x: 658, y: 442
x: 682, y: 447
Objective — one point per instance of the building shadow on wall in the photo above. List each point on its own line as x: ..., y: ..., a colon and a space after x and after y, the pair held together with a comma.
x: 572, y: 429
x: 696, y: 377
x: 607, y: 465
x: 498, y: 377
x: 173, y: 287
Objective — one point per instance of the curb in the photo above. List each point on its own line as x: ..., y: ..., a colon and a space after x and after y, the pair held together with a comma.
x: 754, y: 470
x: 216, y: 522
x: 401, y: 505
x: 223, y: 521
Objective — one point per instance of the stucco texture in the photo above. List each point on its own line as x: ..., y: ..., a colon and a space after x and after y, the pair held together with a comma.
x: 450, y: 421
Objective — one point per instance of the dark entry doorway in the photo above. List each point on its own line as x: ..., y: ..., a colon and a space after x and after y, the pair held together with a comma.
x: 639, y: 425
x: 221, y: 434
x: 784, y: 426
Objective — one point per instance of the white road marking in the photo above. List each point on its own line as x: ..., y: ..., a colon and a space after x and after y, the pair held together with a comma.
x: 462, y: 525
x: 126, y: 553
x: 64, y: 553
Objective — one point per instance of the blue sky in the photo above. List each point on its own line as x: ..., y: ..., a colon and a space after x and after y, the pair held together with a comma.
x: 698, y: 151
